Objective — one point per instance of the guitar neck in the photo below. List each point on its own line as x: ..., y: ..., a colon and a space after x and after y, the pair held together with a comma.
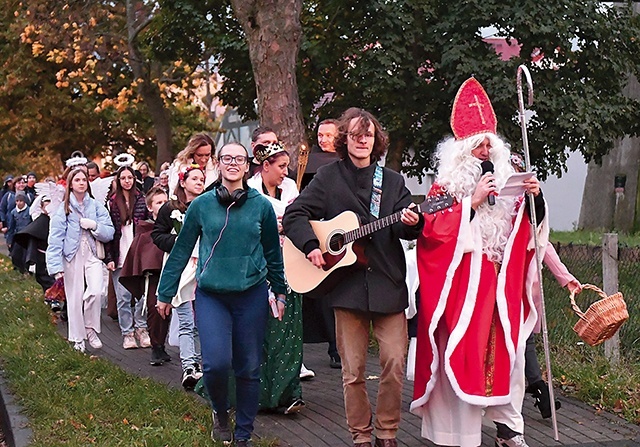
x: 374, y: 226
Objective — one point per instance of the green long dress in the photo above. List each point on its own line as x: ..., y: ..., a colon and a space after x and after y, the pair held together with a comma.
x: 282, y: 351
x: 282, y: 358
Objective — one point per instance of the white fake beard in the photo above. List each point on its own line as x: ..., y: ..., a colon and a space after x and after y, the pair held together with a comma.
x: 460, y: 176
x: 495, y: 223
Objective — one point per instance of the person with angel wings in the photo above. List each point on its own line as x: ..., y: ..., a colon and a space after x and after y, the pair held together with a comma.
x: 75, y: 229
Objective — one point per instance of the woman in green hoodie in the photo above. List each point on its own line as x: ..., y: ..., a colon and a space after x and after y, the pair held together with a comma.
x: 239, y: 253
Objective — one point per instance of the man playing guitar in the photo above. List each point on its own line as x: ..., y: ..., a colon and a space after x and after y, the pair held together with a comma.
x: 373, y: 292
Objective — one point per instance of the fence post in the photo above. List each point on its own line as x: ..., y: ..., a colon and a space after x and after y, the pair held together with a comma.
x: 610, y: 286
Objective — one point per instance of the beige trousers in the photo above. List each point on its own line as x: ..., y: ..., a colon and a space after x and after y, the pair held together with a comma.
x: 83, y: 304
x: 352, y: 337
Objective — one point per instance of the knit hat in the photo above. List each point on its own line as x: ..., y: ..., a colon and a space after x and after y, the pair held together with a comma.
x: 20, y: 195
x: 8, y: 178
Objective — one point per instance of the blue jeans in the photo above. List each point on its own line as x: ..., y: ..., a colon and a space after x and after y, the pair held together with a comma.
x: 188, y: 335
x: 232, y: 330
x: 129, y: 317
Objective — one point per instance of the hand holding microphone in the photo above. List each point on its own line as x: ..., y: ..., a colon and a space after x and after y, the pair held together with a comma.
x: 487, y: 167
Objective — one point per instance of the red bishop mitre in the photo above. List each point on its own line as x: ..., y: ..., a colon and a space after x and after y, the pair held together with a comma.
x: 472, y: 112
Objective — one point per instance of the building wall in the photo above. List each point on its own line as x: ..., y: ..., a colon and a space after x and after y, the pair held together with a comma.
x: 564, y: 194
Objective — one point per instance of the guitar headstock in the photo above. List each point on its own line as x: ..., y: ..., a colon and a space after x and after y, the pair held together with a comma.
x: 438, y: 202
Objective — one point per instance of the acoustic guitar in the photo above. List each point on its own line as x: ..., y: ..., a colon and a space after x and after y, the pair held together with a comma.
x: 337, y: 237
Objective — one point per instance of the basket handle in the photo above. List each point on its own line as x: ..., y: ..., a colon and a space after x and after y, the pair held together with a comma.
x: 575, y: 307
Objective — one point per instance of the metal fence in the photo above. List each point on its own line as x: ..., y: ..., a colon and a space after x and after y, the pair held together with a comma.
x: 585, y: 263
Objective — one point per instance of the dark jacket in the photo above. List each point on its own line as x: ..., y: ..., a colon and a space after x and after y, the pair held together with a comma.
x: 8, y: 203
x: 143, y: 259
x: 162, y: 236
x: 317, y: 158
x: 140, y: 213
x: 379, y: 285
x: 18, y: 221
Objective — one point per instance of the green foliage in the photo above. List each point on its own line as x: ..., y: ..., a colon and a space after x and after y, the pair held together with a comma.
x: 404, y: 60
x: 73, y: 399
x: 69, y: 83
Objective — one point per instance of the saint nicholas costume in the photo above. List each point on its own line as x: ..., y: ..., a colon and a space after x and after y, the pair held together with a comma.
x: 476, y: 269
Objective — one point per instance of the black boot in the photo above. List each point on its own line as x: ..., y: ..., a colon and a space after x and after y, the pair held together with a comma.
x: 540, y: 393
x: 156, y: 355
x: 165, y: 357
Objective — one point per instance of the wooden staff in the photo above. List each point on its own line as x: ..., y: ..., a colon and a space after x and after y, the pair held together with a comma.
x: 303, y: 158
x: 534, y: 226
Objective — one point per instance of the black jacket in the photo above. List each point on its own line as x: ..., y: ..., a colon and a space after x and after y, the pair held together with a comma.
x: 161, y: 233
x: 379, y: 284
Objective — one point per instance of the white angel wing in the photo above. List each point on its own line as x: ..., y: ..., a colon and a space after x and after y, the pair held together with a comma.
x: 100, y: 188
x: 53, y: 191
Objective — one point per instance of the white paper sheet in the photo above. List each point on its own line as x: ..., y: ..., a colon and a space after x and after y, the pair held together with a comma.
x: 515, y: 184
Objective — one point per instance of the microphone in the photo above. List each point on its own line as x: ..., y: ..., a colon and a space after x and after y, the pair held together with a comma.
x: 487, y: 166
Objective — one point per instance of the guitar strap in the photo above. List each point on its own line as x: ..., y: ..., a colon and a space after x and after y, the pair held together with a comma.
x: 376, y: 192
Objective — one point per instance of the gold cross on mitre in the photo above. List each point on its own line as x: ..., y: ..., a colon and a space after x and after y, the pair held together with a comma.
x: 479, y: 105
x: 471, y: 101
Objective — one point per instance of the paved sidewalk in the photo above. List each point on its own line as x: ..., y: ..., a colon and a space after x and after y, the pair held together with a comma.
x: 322, y: 423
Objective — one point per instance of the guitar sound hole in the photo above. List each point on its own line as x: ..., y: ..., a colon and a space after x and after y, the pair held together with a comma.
x: 336, y: 242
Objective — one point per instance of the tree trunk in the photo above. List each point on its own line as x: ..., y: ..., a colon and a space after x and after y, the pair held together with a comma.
x: 274, y: 32
x: 394, y: 154
x: 606, y: 207
x: 148, y: 90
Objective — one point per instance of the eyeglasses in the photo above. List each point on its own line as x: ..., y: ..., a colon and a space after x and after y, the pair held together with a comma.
x: 356, y: 137
x: 228, y: 159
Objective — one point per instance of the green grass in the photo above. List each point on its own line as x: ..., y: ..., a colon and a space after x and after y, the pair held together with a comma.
x: 583, y: 237
x: 73, y: 399
x: 583, y: 371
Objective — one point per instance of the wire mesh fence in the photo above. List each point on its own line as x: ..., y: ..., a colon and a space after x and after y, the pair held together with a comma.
x: 585, y: 263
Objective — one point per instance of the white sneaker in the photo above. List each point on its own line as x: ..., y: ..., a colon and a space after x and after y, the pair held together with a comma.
x: 295, y: 407
x: 79, y: 346
x: 306, y: 374
x: 129, y: 341
x: 143, y: 337
x: 92, y: 336
x: 516, y: 441
x: 197, y: 371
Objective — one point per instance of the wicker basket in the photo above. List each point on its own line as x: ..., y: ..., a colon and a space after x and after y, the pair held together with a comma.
x: 602, y: 319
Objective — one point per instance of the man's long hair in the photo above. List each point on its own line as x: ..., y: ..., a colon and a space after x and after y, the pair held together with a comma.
x: 364, y: 121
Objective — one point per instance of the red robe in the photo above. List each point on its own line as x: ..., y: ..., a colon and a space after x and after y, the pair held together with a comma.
x: 480, y: 310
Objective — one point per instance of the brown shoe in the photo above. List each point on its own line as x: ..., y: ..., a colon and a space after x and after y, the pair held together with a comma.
x: 386, y: 442
x: 362, y: 444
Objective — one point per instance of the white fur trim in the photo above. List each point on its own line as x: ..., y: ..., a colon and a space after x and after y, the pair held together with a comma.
x: 416, y: 405
x: 463, y: 324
